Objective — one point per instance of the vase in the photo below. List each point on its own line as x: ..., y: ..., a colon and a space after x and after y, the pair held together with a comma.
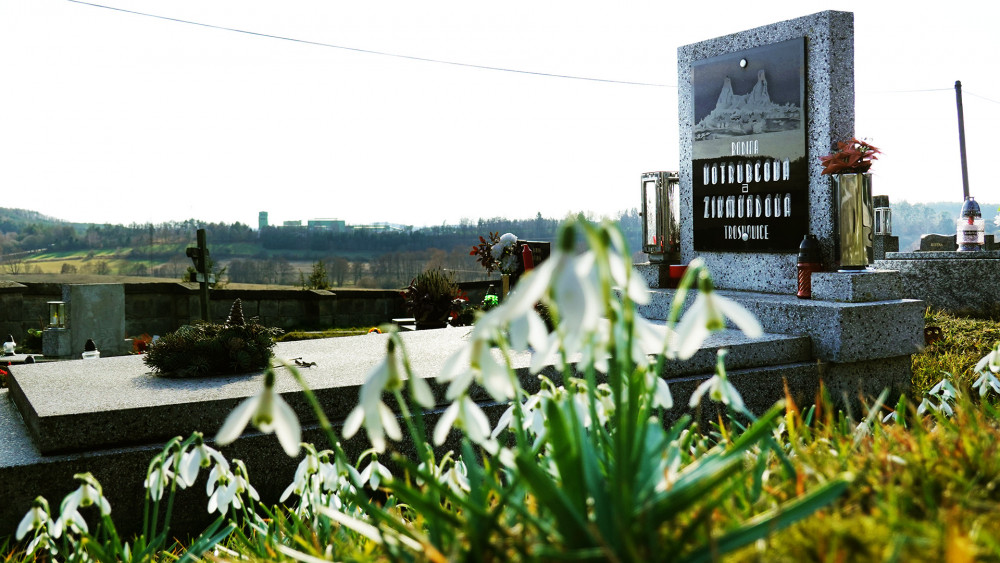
x: 855, y: 220
x: 504, y: 286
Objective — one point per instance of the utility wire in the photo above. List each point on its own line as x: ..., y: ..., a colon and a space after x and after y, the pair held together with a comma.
x: 370, y: 51
x: 981, y: 97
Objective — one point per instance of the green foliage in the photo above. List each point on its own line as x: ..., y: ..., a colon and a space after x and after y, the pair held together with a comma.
x: 926, y: 488
x: 318, y: 335
x: 432, y: 297
x: 212, y: 349
x: 318, y: 279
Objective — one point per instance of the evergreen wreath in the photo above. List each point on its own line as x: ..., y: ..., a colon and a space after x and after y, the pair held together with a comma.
x: 204, y: 349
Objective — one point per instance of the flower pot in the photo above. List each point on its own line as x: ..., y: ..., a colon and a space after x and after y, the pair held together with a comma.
x: 855, y: 220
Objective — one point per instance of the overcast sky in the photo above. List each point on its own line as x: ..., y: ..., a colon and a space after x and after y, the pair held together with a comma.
x: 109, y: 116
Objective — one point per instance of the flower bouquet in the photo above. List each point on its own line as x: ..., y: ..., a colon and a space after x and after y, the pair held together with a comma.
x: 852, y: 157
x: 498, y: 253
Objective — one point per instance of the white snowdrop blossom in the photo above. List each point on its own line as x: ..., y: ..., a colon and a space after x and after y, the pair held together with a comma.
x: 708, y: 314
x: 269, y: 413
x: 456, y: 477
x: 37, y: 518
x: 464, y: 413
x: 374, y: 473
x: 476, y: 362
x: 221, y: 489
x: 371, y: 412
x: 990, y: 361
x: 719, y: 389
x: 199, y: 456
x: 242, y: 478
x: 160, y: 475
x: 534, y: 416
x: 225, y: 487
x: 87, y: 494
x: 987, y: 368
x: 308, y: 467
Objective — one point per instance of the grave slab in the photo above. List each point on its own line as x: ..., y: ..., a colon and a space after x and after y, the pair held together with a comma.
x: 98, y: 401
x: 962, y: 283
x: 84, y: 405
x: 857, y: 287
x: 839, y: 332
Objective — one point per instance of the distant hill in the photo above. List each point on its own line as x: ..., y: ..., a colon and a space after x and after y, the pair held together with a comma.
x: 13, y: 220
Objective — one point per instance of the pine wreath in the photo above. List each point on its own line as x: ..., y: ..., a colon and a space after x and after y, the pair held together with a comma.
x: 205, y: 349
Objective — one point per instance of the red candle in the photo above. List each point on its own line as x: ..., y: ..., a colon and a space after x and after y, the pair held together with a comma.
x: 527, y: 258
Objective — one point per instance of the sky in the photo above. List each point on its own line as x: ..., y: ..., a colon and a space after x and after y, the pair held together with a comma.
x: 334, y: 109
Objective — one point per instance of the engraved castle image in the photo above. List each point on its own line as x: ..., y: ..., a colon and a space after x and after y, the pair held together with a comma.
x: 752, y: 113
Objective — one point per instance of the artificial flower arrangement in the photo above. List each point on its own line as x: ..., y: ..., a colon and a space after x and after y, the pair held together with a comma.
x: 852, y: 157
x: 498, y: 253
x: 202, y: 349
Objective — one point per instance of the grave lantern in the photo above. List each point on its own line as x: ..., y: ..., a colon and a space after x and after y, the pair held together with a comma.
x: 883, y: 215
x: 660, y: 216
x: 57, y: 314
x: 971, y: 228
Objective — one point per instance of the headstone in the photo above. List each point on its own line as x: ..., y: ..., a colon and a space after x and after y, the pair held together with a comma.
x: 757, y: 109
x: 94, y: 312
x: 937, y: 243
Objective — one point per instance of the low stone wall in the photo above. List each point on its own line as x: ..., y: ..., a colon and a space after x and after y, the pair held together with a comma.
x: 159, y: 308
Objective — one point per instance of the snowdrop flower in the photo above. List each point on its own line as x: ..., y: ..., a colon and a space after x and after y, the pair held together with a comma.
x: 222, y: 489
x: 197, y: 457
x: 719, y: 389
x: 708, y: 314
x: 466, y: 414
x: 308, y: 467
x: 457, y: 478
x: 269, y: 413
x: 374, y: 473
x: 944, y: 390
x: 534, y: 417
x: 990, y: 361
x: 87, y: 494
x: 476, y: 362
x: 242, y: 478
x: 378, y: 419
x: 624, y: 276
x: 160, y: 474
x: 986, y: 382
x: 661, y: 394
x: 37, y: 518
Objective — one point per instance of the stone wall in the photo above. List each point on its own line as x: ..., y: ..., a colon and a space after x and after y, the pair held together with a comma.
x: 159, y: 308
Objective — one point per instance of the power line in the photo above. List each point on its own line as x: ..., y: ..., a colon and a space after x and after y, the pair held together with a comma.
x: 981, y: 97
x: 372, y: 52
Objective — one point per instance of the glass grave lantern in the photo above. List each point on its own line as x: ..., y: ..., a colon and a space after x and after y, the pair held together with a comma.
x: 57, y: 314
x: 883, y: 215
x: 661, y: 217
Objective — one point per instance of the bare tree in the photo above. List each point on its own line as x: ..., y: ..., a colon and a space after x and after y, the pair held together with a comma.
x: 12, y: 264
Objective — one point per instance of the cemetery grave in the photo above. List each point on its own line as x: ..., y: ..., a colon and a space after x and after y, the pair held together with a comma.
x: 746, y: 199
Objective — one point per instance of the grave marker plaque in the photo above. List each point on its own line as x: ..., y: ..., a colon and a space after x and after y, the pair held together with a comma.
x: 750, y: 171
